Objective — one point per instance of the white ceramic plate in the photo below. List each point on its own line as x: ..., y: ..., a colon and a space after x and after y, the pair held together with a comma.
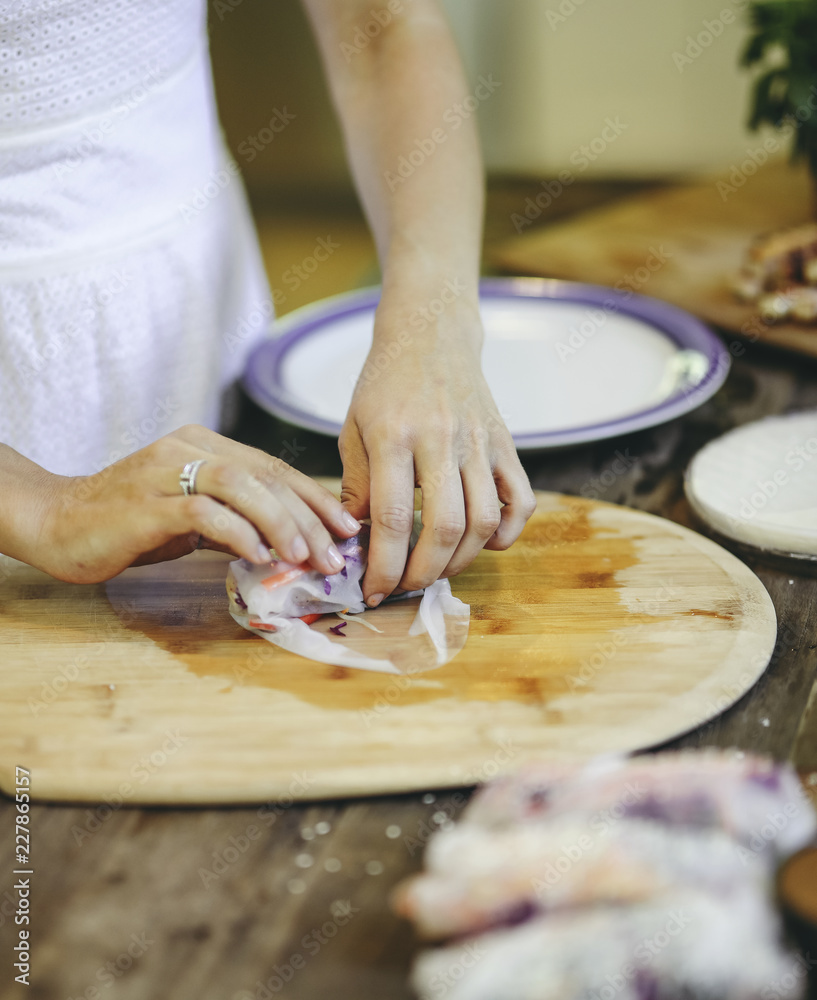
x: 567, y: 363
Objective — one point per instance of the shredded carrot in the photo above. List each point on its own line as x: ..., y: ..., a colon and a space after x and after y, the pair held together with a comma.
x: 263, y: 626
x: 286, y: 576
x: 310, y: 618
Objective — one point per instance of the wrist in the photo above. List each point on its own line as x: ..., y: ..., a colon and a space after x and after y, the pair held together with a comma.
x: 444, y: 317
x: 407, y: 282
x: 28, y: 497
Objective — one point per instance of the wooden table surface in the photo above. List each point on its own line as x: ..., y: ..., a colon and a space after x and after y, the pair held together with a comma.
x: 292, y: 901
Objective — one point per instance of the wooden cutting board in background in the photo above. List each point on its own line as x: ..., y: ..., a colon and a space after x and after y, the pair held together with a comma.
x: 691, y: 236
x: 602, y: 629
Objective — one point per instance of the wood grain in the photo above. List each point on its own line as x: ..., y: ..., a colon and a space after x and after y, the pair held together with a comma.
x: 682, y: 244
x: 603, y: 629
x: 103, y: 874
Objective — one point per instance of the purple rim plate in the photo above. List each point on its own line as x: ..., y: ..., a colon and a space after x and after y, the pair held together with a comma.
x: 264, y: 383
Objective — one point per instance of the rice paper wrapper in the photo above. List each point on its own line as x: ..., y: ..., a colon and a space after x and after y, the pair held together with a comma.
x: 415, y: 632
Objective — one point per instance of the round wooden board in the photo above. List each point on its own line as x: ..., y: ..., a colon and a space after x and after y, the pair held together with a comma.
x: 603, y: 629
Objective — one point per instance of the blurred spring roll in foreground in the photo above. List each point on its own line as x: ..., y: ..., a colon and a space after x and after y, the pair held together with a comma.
x: 625, y: 879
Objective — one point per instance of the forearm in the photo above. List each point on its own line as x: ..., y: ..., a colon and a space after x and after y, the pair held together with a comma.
x: 24, y: 496
x: 429, y: 419
x: 412, y: 145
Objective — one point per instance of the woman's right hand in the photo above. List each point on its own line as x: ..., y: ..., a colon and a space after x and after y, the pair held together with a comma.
x: 135, y: 512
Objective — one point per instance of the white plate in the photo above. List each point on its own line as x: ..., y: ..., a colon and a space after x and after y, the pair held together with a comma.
x: 567, y: 363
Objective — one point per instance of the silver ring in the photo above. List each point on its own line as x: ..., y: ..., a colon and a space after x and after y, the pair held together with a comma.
x: 187, y: 480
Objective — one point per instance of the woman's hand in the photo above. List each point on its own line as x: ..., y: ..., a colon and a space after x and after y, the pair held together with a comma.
x: 93, y: 527
x: 427, y: 417
x: 423, y: 415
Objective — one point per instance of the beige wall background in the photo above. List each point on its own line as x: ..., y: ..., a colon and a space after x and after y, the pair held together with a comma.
x: 565, y: 67
x: 264, y: 59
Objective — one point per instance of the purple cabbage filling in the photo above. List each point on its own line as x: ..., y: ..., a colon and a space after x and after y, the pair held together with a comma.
x: 770, y: 780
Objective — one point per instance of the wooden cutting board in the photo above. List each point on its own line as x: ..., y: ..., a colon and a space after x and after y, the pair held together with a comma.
x: 681, y: 244
x: 602, y: 629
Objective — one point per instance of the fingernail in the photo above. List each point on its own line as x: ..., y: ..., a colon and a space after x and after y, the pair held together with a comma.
x: 350, y: 522
x: 264, y: 554
x: 375, y: 599
x: 300, y: 550
x: 335, y: 558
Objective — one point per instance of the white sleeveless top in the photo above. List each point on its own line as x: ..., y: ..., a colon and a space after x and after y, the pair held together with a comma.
x: 131, y: 285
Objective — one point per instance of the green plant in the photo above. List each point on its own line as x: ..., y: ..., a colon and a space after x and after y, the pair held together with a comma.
x: 783, y: 46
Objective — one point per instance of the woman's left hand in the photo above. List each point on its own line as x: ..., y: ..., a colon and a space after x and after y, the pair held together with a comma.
x: 422, y: 415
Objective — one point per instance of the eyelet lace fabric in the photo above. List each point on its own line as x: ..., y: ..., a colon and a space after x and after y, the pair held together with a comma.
x: 131, y: 285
